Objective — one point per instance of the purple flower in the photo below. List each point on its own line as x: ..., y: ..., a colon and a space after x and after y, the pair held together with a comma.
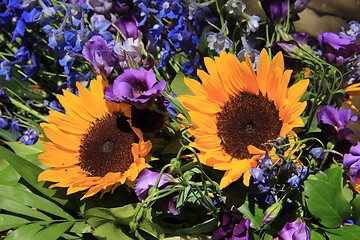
x: 137, y: 87
x: 334, y: 122
x: 295, y: 230
x: 352, y: 159
x: 277, y: 10
x: 336, y: 50
x: 147, y: 179
x: 128, y: 26
x: 96, y: 51
x: 232, y: 226
x: 100, y: 6
x: 129, y: 48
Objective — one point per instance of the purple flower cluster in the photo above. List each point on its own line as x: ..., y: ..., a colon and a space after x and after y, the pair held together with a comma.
x: 295, y: 230
x: 233, y: 226
x: 337, y: 50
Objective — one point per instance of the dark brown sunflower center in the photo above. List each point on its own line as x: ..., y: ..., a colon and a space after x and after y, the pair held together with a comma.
x: 106, y: 147
x: 247, y: 119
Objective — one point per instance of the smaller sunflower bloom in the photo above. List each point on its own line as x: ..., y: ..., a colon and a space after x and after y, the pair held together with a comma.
x: 352, y: 90
x: 235, y: 111
x: 93, y: 146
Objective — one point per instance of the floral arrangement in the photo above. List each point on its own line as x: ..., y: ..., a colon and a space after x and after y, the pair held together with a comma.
x: 174, y: 119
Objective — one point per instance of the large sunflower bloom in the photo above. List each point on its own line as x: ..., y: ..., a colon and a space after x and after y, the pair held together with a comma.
x: 235, y: 111
x: 93, y: 146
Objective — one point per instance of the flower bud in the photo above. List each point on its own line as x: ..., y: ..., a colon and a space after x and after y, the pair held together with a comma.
x: 271, y: 213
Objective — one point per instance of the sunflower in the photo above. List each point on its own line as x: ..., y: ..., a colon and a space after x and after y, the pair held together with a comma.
x: 93, y: 146
x: 235, y: 111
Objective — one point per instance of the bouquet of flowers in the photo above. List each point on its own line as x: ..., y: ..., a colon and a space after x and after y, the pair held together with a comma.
x: 176, y: 119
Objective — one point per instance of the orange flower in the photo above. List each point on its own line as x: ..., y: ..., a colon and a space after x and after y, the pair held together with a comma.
x: 235, y: 111
x: 93, y: 146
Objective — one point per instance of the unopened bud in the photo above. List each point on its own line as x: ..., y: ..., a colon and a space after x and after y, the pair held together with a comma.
x: 271, y: 213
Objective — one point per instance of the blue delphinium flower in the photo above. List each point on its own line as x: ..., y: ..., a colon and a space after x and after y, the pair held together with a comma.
x: 29, y: 136
x: 3, y: 123
x: 168, y: 8
x: 5, y: 69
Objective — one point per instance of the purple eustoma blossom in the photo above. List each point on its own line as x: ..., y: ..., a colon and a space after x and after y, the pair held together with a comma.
x: 334, y: 122
x: 277, y: 10
x: 232, y: 226
x: 295, y: 230
x: 147, y: 179
x: 352, y: 159
x: 336, y: 50
x: 97, y: 52
x: 137, y: 87
x: 130, y: 47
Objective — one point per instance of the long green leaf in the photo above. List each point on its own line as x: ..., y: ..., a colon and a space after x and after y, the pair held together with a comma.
x: 25, y: 232
x: 348, y: 232
x: 29, y: 172
x: 53, y: 231
x: 9, y: 221
x: 8, y: 175
x: 15, y: 207
x: 33, y: 200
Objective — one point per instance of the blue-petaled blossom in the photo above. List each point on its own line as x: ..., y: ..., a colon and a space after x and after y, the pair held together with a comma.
x: 147, y: 179
x: 67, y: 61
x: 100, y: 25
x: 336, y: 50
x: 55, y: 105
x: 144, y: 11
x: 56, y: 39
x: 252, y: 22
x: 183, y: 39
x: 165, y: 54
x: 168, y: 8
x: 22, y: 55
x: 156, y: 31
x: 295, y: 230
x: 75, y: 13
x: 3, y: 123
x: 352, y: 32
x: 351, y: 160
x: 232, y: 226
x: 75, y: 77
x: 47, y: 14
x: 29, y: 136
x: 77, y: 38
x: 15, y: 126
x: 217, y: 41
x: 97, y: 52
x: 19, y: 30
x: 5, y: 69
x: 235, y: 7
x: 30, y: 69
x: 334, y: 123
x: 137, y: 87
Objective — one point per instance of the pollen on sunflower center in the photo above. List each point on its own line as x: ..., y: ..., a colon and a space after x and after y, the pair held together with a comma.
x: 247, y: 119
x: 106, y: 147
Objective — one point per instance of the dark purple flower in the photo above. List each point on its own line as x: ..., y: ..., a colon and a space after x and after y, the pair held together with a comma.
x: 295, y: 230
x: 352, y: 159
x: 97, y: 52
x: 334, y: 122
x: 122, y: 6
x: 138, y: 87
x: 128, y: 25
x: 300, y: 5
x: 277, y: 10
x: 336, y: 50
x: 147, y: 179
x: 232, y: 226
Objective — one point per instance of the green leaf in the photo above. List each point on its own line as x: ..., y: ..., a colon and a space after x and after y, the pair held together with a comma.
x: 314, y: 235
x: 80, y: 227
x: 25, y: 232
x: 8, y: 175
x: 333, y: 177
x: 29, y: 172
x: 52, y: 232
x: 22, y: 149
x: 124, y: 215
x: 179, y: 107
x: 178, y: 85
x: 356, y: 209
x: 9, y: 221
x: 111, y: 231
x: 33, y: 200
x: 204, y: 227
x: 326, y: 203
x: 253, y: 212
x: 348, y: 232
x: 7, y: 135
x: 151, y: 228
x: 15, y: 207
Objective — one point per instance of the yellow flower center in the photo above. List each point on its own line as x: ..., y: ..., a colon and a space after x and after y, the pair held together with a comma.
x: 247, y: 119
x: 106, y: 147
